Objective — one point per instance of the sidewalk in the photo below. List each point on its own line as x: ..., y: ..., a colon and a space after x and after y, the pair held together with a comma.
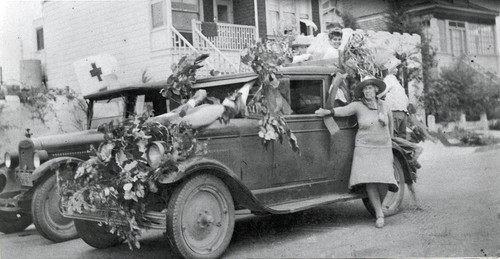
x: 433, y: 151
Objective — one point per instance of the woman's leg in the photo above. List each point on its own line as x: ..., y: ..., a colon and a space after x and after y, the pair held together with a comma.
x: 374, y: 196
x: 382, y: 190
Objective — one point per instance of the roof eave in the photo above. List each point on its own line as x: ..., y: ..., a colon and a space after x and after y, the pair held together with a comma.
x: 433, y: 7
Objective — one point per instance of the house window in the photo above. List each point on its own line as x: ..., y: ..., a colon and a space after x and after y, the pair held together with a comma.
x: 157, y: 14
x: 442, y: 36
x: 481, y: 39
x: 39, y: 39
x: 283, y: 16
x: 457, y: 41
x: 183, y: 11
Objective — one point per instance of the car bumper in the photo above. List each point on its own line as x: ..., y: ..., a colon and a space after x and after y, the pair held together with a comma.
x: 15, y: 201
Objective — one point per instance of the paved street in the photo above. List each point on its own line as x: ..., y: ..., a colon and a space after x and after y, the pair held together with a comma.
x: 458, y: 189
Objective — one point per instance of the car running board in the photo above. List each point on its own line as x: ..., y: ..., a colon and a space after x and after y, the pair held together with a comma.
x: 300, y: 205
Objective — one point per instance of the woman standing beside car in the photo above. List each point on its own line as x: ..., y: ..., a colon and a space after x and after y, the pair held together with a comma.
x: 372, y: 165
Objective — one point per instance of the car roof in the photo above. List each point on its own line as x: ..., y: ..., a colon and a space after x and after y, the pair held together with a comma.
x: 209, y: 81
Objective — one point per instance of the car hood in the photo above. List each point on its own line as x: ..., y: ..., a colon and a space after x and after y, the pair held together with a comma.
x: 78, y: 141
x: 69, y: 141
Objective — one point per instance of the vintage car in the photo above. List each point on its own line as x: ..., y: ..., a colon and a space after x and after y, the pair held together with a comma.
x: 197, y: 206
x: 27, y: 181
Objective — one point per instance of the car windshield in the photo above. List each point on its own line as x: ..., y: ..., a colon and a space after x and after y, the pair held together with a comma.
x: 107, y: 110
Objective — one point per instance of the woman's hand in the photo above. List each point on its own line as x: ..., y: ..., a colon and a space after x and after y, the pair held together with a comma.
x: 322, y: 112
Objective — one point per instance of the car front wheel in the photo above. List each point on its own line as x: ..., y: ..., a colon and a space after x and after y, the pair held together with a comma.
x: 47, y: 218
x: 200, y: 218
x: 392, y: 202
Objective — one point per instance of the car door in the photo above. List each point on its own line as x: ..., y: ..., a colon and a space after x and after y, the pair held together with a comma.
x: 324, y: 163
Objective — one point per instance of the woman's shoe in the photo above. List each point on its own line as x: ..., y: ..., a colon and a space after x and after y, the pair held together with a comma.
x: 380, y: 222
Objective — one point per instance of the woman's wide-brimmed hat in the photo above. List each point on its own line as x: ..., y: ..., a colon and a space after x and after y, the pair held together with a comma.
x: 369, y: 80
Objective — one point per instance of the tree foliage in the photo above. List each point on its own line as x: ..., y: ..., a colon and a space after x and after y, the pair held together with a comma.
x: 349, y: 20
x: 400, y: 20
x: 460, y: 89
x: 183, y: 76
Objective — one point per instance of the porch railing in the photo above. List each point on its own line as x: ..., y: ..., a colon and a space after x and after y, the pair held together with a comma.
x: 229, y: 36
x: 181, y: 47
x: 225, y: 64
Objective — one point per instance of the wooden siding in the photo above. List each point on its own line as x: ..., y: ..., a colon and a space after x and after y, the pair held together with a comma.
x: 75, y: 30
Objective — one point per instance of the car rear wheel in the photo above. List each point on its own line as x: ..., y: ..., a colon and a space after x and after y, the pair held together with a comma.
x: 393, y: 200
x: 200, y: 218
x: 96, y: 236
x: 47, y: 217
x: 12, y: 222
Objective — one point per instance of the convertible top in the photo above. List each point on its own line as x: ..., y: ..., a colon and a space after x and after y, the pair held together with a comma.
x: 210, y: 81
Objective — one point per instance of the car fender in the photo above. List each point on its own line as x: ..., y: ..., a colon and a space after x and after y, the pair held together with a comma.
x: 241, y: 194
x: 48, y: 166
x: 8, y: 180
x: 399, y: 153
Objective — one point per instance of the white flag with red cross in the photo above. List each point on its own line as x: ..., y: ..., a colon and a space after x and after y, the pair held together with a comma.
x: 96, y: 73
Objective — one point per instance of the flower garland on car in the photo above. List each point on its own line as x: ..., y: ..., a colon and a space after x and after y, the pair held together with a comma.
x: 359, y: 57
x: 264, y: 58
x: 117, y: 179
x: 183, y: 76
x: 118, y: 176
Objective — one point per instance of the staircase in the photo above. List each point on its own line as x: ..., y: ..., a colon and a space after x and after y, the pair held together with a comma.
x: 487, y: 74
x: 182, y: 47
x: 223, y: 49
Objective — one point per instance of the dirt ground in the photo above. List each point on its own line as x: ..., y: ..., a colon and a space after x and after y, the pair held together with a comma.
x: 458, y: 188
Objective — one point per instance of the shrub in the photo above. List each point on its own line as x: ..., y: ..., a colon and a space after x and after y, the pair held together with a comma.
x: 495, y: 126
x: 470, y: 138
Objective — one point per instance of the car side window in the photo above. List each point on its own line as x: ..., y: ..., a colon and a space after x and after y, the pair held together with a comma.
x: 105, y: 111
x: 305, y: 96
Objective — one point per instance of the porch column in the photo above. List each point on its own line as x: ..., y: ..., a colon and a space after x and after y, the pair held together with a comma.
x: 168, y: 7
x: 256, y: 15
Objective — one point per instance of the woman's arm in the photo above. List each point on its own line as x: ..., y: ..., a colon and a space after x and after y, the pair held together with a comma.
x: 391, y: 121
x: 344, y: 111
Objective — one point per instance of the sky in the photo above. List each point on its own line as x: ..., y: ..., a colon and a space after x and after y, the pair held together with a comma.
x: 17, y: 35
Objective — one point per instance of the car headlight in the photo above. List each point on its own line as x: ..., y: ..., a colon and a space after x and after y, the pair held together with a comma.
x: 36, y: 160
x: 154, y: 154
x: 7, y: 160
x: 11, y: 160
x: 39, y: 157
